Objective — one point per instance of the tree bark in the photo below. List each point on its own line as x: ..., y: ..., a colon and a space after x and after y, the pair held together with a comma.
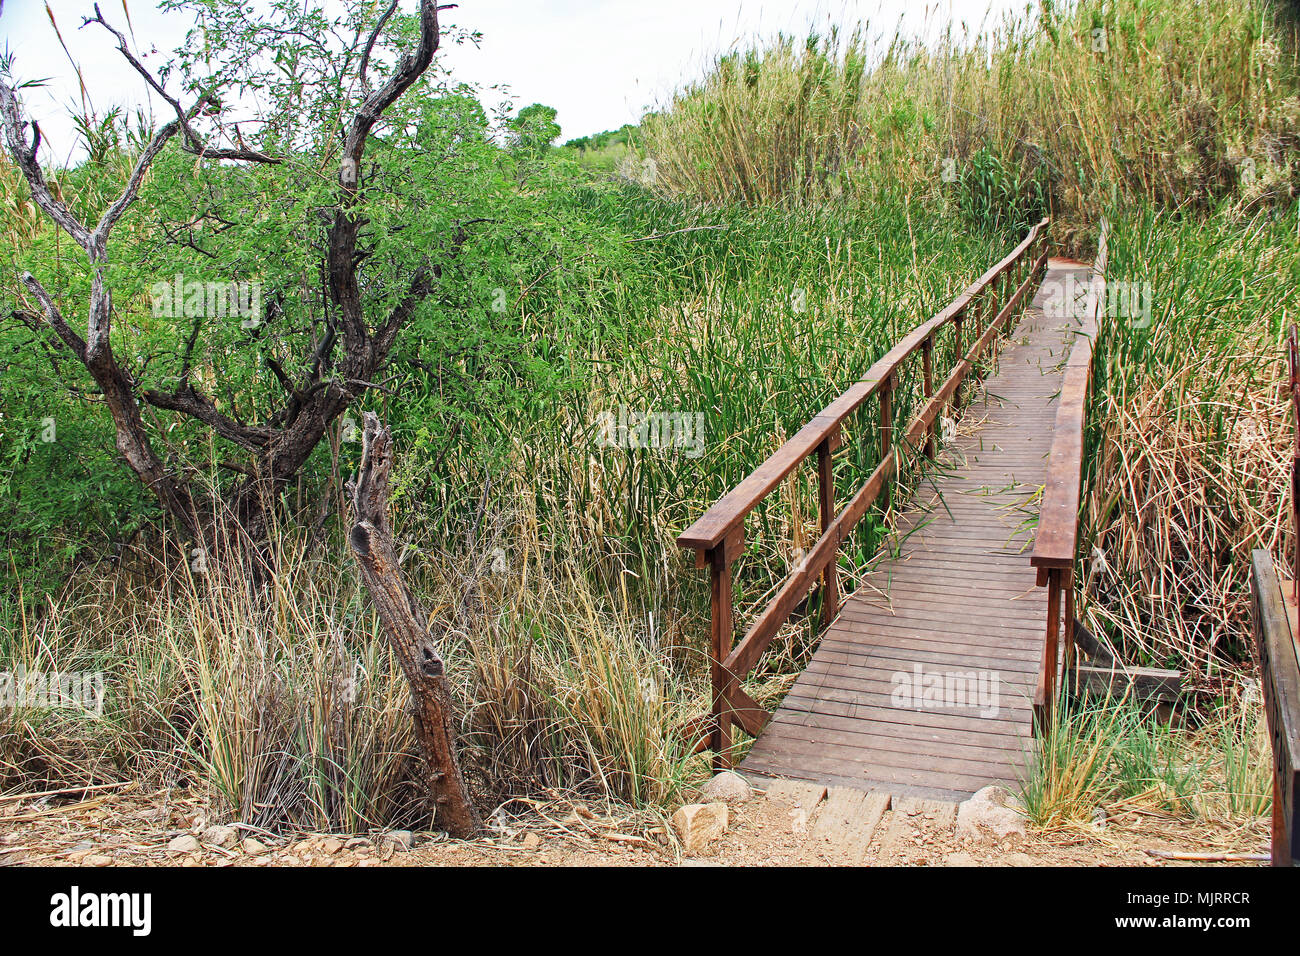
x: 404, y: 624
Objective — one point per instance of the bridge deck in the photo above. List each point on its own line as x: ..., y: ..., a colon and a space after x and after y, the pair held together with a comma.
x: 956, y: 599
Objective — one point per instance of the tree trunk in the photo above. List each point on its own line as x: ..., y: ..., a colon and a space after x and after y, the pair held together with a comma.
x: 403, y: 621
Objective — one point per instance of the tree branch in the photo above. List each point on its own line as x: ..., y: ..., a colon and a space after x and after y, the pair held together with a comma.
x: 193, y: 143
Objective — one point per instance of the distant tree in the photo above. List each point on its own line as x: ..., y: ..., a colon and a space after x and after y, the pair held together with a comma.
x: 534, y: 130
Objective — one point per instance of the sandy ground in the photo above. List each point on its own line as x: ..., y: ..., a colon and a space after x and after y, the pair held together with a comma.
x: 121, y: 829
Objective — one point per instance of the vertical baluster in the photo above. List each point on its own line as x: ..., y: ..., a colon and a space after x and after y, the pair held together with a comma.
x: 1053, y: 635
x: 826, y: 501
x: 1068, y: 624
x: 959, y: 347
x: 720, y: 559
x: 927, y: 383
x: 887, y: 433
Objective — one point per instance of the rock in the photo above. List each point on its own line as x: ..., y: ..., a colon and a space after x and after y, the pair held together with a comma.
x: 399, y: 840
x: 991, y: 814
x: 98, y: 860
x: 728, y: 787
x: 221, y: 836
x: 185, y: 843
x: 959, y: 858
x: 532, y: 841
x: 699, y: 824
x: 253, y: 847
x: 331, y: 846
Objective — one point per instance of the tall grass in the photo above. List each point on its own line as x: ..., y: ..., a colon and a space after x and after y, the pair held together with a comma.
x: 1071, y: 109
x: 1189, y: 433
x: 1112, y: 754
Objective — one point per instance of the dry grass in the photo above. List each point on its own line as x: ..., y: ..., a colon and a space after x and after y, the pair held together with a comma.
x: 281, y: 704
x: 1086, y: 107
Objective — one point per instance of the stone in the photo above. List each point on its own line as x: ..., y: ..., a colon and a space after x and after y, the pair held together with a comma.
x: 532, y: 841
x: 253, y: 847
x: 728, y: 787
x: 699, y: 824
x: 399, y: 840
x: 990, y: 814
x: 221, y: 836
x: 331, y: 846
x: 185, y: 843
x: 98, y: 859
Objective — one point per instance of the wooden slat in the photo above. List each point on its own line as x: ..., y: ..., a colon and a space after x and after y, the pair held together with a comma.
x: 1280, y: 680
x: 1058, y: 519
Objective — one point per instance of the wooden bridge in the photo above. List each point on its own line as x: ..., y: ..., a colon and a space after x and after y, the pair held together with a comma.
x: 930, y: 679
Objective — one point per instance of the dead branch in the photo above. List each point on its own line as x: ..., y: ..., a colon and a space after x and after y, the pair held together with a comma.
x: 403, y: 620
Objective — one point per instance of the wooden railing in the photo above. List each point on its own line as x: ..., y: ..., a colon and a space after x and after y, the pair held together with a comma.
x: 1274, y: 600
x: 718, y: 537
x: 1058, y: 515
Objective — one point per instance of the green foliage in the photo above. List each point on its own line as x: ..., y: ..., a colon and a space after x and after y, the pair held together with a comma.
x: 998, y: 198
x: 534, y: 130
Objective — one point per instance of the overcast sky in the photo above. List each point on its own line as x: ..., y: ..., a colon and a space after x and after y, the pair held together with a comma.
x: 601, y: 63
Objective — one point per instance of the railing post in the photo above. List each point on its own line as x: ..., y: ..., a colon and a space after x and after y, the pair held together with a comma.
x: 887, y: 431
x: 1067, y: 625
x: 927, y: 384
x: 720, y: 560
x: 1053, y: 638
x: 826, y: 501
x: 958, y: 345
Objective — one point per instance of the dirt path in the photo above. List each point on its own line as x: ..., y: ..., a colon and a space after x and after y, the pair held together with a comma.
x: 785, y: 827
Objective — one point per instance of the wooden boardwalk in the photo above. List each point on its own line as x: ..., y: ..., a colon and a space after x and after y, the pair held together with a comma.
x: 923, y: 684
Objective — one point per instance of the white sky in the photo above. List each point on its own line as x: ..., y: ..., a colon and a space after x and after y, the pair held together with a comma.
x: 600, y: 63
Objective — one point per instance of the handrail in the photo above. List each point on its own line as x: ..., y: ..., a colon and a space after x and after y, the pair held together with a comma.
x: 729, y: 511
x: 1293, y: 366
x: 718, y: 536
x: 1057, y: 536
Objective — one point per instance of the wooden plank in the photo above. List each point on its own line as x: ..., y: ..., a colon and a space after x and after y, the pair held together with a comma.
x: 1144, y: 683
x: 1280, y: 680
x: 1058, y: 522
x: 849, y: 764
x: 795, y: 793
x: 827, y: 699
x: 910, y: 815
x: 936, y: 741
x: 901, y: 660
x: 878, y: 746
x: 845, y: 826
x: 898, y: 790
x: 916, y: 645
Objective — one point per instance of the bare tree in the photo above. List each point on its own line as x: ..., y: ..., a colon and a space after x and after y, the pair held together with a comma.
x: 345, y: 361
x: 404, y: 623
